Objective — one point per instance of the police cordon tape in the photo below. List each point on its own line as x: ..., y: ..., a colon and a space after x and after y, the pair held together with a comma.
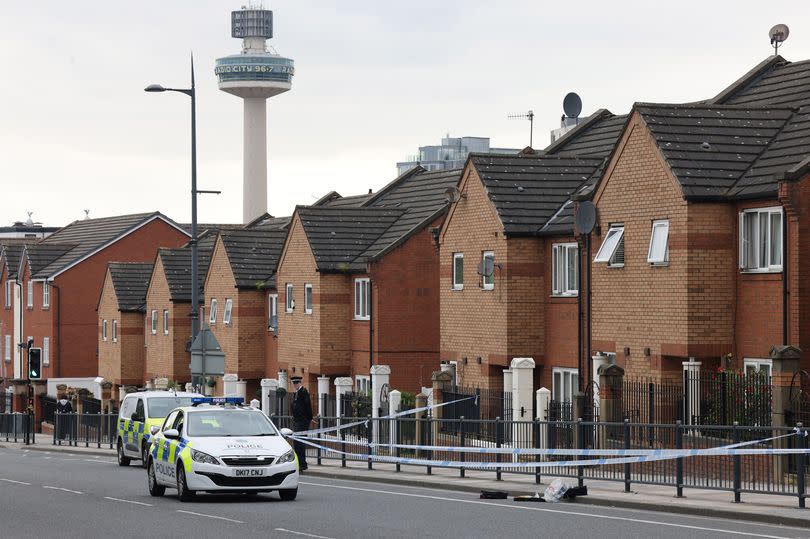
x: 649, y: 455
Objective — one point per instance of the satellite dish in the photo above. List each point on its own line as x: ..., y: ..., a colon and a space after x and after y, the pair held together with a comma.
x: 778, y: 35
x: 486, y: 267
x: 572, y: 105
x: 585, y: 218
x: 452, y: 194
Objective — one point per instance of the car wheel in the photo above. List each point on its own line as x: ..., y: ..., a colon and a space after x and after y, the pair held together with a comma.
x: 155, y: 489
x: 144, y: 455
x: 288, y: 494
x: 183, y: 493
x: 123, y: 460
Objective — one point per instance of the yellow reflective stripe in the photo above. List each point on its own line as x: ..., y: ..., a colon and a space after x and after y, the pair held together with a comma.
x: 185, y: 454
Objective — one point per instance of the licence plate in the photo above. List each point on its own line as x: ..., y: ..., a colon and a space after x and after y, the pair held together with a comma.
x: 249, y: 472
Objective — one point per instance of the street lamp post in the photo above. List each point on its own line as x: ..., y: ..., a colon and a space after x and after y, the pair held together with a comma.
x: 195, y: 299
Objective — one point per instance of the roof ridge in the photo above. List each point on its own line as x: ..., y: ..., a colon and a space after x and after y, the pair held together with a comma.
x: 418, y: 169
x: 722, y: 106
x: 746, y: 80
x: 598, y: 114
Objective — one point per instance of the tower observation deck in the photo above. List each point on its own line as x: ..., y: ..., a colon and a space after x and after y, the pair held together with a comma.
x: 254, y: 75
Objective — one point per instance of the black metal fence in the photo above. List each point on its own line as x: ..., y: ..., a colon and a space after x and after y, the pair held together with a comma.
x: 85, y: 429
x: 48, y: 406
x: 726, y: 397
x: 17, y: 427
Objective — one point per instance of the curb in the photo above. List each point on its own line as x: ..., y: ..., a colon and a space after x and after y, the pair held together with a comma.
x: 764, y: 518
x: 72, y: 451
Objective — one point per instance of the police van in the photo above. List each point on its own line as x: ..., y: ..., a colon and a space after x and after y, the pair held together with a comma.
x: 139, y: 412
x: 217, y: 445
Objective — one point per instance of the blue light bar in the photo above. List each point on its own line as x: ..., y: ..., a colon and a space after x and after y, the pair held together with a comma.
x: 217, y: 400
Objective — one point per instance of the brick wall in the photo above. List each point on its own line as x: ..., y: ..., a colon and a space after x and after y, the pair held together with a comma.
x: 39, y: 322
x: 270, y: 340
x: 560, y: 334
x: 166, y: 354
x: 796, y: 198
x: 109, y: 353
x: 6, y: 323
x: 120, y: 362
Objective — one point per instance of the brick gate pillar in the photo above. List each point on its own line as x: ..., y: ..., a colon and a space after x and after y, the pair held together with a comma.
x: 440, y: 379
x: 785, y: 364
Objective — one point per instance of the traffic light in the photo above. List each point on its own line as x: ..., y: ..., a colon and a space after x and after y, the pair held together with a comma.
x: 34, y: 363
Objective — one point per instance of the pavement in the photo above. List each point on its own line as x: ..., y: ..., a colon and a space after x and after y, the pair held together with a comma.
x: 759, y: 508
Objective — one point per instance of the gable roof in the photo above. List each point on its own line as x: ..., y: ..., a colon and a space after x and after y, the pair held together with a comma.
x: 89, y: 236
x: 528, y: 191
x: 268, y: 222
x: 11, y: 253
x: 130, y: 281
x: 42, y: 255
x: 253, y: 255
x: 775, y: 82
x: 595, y: 136
x: 177, y: 268
x: 338, y: 236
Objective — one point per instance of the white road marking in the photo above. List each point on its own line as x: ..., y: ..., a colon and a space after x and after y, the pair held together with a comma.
x: 127, y: 501
x: 98, y: 461
x: 63, y: 489
x: 302, y: 533
x: 16, y: 482
x: 209, y: 516
x: 563, y: 512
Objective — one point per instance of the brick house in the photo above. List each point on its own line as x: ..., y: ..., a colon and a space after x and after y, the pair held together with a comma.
x: 358, y: 285
x: 510, y: 263
x: 702, y: 216
x: 10, y: 314
x: 121, y: 308
x: 240, y: 290
x: 62, y: 277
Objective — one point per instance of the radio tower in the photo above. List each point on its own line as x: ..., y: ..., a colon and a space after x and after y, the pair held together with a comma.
x: 254, y: 75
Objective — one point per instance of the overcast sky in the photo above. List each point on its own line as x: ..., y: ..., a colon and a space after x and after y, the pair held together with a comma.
x: 374, y: 80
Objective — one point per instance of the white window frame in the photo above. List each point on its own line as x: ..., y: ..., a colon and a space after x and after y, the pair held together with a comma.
x: 659, y: 234
x: 226, y: 316
x: 154, y: 322
x: 361, y: 299
x: 757, y: 265
x: 165, y: 321
x: 560, y: 279
x: 610, y: 246
x: 7, y: 355
x: 212, y: 312
x: 272, y: 311
x: 308, y: 299
x: 564, y: 384
x: 484, y: 284
x: 46, y: 351
x: 46, y: 294
x: 362, y: 383
x: 458, y: 278
x: 289, y: 300
x: 114, y: 330
x: 8, y: 293
x: 104, y: 330
x: 30, y: 294
x: 758, y: 364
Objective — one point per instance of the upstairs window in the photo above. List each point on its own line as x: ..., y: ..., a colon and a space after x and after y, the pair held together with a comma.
x: 30, y: 296
x: 7, y: 355
x: 488, y: 270
x: 165, y: 322
x: 361, y: 299
x: 154, y: 321
x: 46, y: 294
x: 272, y: 310
x: 115, y: 330
x: 226, y: 316
x: 458, y: 271
x: 103, y: 330
x: 761, y: 239
x: 658, y: 253
x: 308, y: 299
x: 565, y: 269
x: 46, y: 351
x: 289, y: 302
x: 612, y: 249
x: 8, y: 294
x: 212, y: 318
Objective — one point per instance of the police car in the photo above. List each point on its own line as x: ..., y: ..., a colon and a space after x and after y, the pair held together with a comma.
x: 215, y: 445
x: 139, y: 412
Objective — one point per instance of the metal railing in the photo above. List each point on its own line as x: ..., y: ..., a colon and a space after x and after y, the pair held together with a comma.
x: 85, y: 429
x: 17, y: 427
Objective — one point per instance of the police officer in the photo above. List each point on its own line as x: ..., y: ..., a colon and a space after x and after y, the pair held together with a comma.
x: 63, y: 406
x: 302, y: 417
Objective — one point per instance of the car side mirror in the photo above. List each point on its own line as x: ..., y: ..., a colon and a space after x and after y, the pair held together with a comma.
x: 154, y: 429
x: 286, y: 432
x: 172, y: 434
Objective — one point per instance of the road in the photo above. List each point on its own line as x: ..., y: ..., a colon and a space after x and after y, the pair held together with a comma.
x: 46, y: 495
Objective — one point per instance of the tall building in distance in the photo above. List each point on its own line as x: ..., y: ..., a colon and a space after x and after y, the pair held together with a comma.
x: 452, y: 153
x: 254, y: 75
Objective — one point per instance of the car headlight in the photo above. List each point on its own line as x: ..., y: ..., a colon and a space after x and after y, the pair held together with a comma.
x: 289, y: 456
x: 199, y: 456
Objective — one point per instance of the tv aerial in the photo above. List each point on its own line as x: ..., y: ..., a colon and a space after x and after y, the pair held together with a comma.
x: 526, y: 116
x: 585, y: 218
x: 778, y: 35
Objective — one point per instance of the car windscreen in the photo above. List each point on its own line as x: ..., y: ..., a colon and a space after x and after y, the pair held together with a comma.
x: 161, y: 406
x: 228, y: 423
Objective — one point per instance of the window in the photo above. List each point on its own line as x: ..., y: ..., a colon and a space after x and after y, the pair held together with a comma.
x: 8, y: 294
x: 46, y: 351
x: 458, y: 271
x: 7, y: 355
x: 658, y: 253
x: 761, y: 239
x: 46, y: 294
x: 165, y: 322
x: 362, y: 384
x: 226, y: 316
x: 565, y: 383
x: 361, y: 299
x: 212, y: 318
x: 288, y: 300
x: 761, y: 366
x: 103, y: 330
x: 272, y: 310
x: 30, y: 297
x: 565, y: 269
x: 308, y: 299
x: 115, y: 330
x: 612, y: 249
x: 488, y: 270
x: 154, y: 322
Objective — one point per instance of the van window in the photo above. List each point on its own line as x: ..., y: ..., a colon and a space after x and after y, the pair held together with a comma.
x: 127, y: 407
x: 139, y: 414
x: 161, y: 406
